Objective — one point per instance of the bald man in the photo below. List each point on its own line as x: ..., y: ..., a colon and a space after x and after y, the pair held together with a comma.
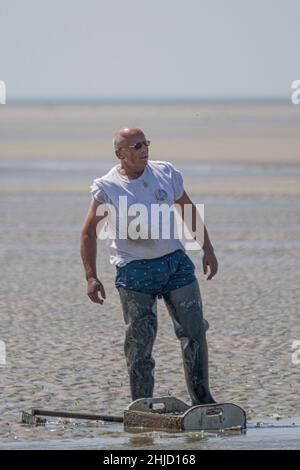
x: 148, y: 267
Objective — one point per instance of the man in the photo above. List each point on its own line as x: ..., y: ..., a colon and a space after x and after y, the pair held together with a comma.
x: 150, y: 267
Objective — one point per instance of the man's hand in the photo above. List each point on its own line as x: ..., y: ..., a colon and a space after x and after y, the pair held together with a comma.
x: 93, y: 286
x: 209, y: 259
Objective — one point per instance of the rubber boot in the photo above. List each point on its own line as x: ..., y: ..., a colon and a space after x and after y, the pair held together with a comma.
x: 185, y: 307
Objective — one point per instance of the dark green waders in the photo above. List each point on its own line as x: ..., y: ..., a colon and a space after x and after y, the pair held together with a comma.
x: 140, y: 315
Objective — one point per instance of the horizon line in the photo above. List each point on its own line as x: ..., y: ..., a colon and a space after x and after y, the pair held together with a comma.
x: 145, y: 100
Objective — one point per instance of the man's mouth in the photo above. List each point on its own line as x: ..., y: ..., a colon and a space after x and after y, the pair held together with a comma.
x: 144, y: 158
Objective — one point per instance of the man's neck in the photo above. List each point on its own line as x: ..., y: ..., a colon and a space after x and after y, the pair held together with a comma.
x: 129, y: 173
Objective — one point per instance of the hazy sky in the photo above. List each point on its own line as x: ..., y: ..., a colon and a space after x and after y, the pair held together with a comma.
x: 150, y: 48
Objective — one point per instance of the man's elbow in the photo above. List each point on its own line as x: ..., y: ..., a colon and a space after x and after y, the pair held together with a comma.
x: 87, y: 236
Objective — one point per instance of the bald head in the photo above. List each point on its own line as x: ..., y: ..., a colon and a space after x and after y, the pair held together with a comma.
x: 122, y: 136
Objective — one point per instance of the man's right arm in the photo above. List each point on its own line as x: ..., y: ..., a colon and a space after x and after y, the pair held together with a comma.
x: 88, y: 251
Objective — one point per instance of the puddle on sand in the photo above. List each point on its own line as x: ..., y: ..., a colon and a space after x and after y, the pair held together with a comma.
x: 275, y: 434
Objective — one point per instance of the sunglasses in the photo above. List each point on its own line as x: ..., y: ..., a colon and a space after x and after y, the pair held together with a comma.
x: 139, y: 145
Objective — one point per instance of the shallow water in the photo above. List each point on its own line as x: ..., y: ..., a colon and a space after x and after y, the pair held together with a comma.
x: 283, y: 435
x: 31, y: 172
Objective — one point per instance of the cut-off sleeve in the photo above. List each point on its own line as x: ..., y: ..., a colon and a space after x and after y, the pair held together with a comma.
x: 98, y: 192
x: 177, y: 182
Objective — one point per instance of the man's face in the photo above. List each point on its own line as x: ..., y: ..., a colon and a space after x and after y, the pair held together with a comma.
x: 135, y: 159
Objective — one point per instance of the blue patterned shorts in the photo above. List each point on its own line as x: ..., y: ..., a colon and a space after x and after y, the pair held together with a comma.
x: 157, y: 276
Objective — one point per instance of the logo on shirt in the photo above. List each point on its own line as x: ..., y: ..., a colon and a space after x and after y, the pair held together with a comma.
x: 161, y: 195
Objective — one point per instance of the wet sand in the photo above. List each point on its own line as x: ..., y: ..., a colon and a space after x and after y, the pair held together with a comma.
x: 63, y: 352
x: 197, y: 132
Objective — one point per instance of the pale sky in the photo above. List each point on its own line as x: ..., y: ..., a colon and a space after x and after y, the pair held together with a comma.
x: 149, y: 48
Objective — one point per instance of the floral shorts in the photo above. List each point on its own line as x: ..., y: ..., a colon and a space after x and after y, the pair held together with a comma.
x: 157, y: 276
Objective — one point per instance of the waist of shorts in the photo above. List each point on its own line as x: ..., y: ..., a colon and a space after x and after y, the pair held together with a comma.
x: 157, y: 275
x: 151, y: 260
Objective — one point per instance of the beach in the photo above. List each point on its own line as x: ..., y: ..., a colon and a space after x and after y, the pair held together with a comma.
x: 64, y: 352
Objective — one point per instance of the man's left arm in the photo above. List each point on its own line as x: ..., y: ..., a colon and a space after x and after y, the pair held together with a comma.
x: 209, y: 258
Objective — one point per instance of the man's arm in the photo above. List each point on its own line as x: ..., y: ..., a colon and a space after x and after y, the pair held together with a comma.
x: 209, y: 257
x: 88, y: 251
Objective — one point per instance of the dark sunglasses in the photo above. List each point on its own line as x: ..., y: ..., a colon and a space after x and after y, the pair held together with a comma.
x: 139, y: 145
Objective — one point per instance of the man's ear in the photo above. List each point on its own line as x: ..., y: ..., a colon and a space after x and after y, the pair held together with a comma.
x: 118, y: 154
